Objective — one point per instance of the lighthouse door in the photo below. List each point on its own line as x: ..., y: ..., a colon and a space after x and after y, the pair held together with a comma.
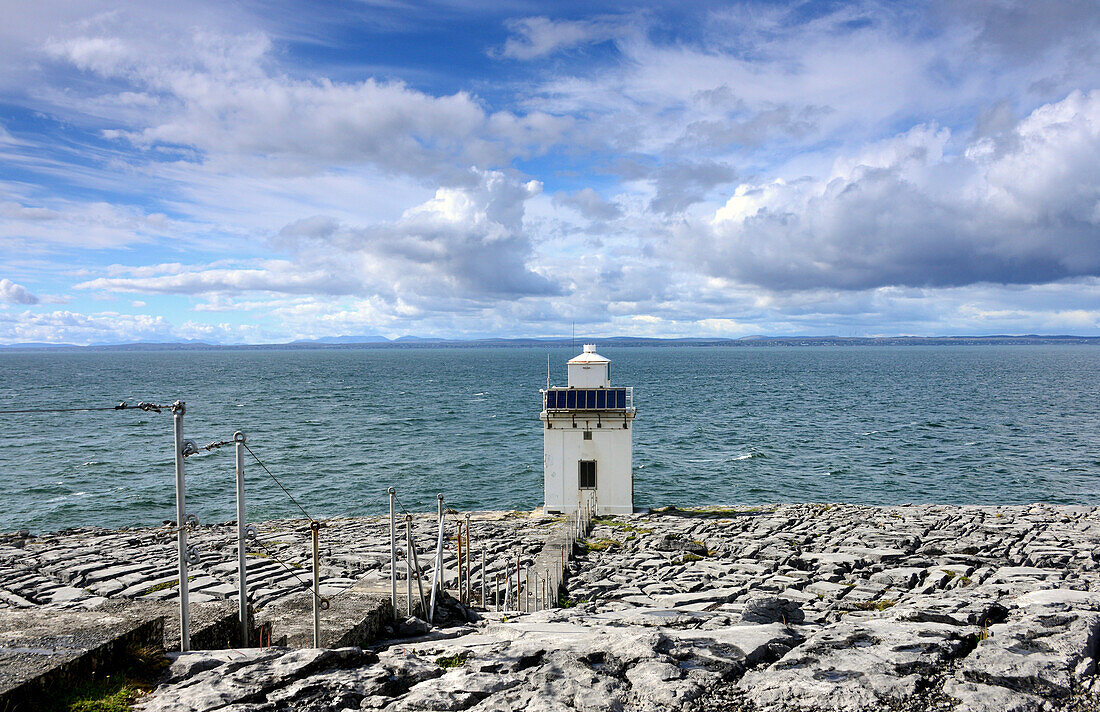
x: 587, y: 474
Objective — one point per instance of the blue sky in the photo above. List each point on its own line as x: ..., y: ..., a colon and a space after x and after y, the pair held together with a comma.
x: 261, y: 172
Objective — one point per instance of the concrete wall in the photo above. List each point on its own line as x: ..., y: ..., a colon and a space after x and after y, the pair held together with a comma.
x: 611, y: 447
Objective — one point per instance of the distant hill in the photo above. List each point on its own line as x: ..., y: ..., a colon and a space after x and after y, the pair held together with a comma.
x: 371, y: 339
x: 413, y: 342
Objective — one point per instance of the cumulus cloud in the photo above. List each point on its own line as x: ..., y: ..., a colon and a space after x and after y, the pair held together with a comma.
x: 80, y: 328
x: 901, y: 212
x: 15, y: 293
x: 463, y: 243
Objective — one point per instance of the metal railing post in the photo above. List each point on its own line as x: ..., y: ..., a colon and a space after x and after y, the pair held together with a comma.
x: 469, y: 554
x: 315, y: 530
x: 484, y: 603
x: 408, y: 563
x: 419, y: 577
x: 242, y: 561
x: 393, y: 553
x: 458, y: 554
x: 178, y: 409
x: 437, y: 574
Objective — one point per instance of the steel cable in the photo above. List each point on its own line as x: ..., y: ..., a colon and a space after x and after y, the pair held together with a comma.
x: 276, y: 479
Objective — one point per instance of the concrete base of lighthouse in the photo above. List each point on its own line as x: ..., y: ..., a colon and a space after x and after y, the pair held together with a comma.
x: 588, y: 461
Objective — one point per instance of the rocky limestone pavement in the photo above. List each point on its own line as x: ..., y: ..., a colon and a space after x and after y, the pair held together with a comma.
x: 792, y: 607
x: 83, y: 568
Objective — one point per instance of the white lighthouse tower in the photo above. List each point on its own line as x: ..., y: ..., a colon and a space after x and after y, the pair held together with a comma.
x: 588, y: 444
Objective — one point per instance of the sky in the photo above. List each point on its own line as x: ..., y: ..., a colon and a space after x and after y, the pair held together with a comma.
x: 260, y: 172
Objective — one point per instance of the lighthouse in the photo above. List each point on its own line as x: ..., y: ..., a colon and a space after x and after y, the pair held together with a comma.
x: 588, y: 446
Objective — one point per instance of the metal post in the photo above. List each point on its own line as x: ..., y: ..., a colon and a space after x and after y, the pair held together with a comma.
x: 469, y: 552
x: 242, y: 567
x: 408, y: 563
x: 393, y: 553
x: 419, y: 578
x: 442, y: 578
x: 458, y: 538
x: 178, y: 409
x: 496, y: 593
x: 315, y: 529
x: 517, y: 581
x: 527, y: 589
x: 437, y: 574
x: 484, y: 604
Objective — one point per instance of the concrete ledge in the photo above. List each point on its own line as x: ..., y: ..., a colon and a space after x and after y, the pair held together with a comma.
x: 215, y: 625
x: 44, y: 650
x: 354, y: 618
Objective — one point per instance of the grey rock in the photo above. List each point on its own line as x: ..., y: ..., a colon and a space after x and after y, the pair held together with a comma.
x: 855, y: 666
x: 975, y: 697
x: 671, y: 543
x: 772, y: 609
x: 1042, y: 653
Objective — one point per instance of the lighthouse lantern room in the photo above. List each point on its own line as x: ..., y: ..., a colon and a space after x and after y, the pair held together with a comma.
x: 588, y: 439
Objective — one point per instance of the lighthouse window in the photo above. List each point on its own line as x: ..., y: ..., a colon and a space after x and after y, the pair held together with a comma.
x: 587, y: 434
x: 587, y: 474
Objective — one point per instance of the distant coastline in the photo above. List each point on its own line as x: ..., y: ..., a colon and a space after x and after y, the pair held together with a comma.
x: 413, y: 342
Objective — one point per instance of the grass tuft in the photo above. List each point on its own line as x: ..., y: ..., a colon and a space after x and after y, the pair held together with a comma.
x: 114, y: 693
x: 448, y: 662
x: 710, y: 512
x: 622, y: 526
x: 166, y: 585
x: 601, y: 544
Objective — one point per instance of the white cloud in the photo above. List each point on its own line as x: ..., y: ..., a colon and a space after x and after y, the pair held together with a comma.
x: 901, y: 212
x: 15, y: 293
x: 536, y: 37
x: 29, y: 227
x: 78, y: 328
x: 222, y: 96
x: 463, y: 243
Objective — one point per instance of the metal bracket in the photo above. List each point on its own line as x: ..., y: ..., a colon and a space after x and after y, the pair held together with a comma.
x: 251, y: 532
x: 189, y: 447
x: 193, y: 556
x: 192, y: 521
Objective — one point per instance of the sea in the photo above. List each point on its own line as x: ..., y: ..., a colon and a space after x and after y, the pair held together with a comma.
x: 883, y: 425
